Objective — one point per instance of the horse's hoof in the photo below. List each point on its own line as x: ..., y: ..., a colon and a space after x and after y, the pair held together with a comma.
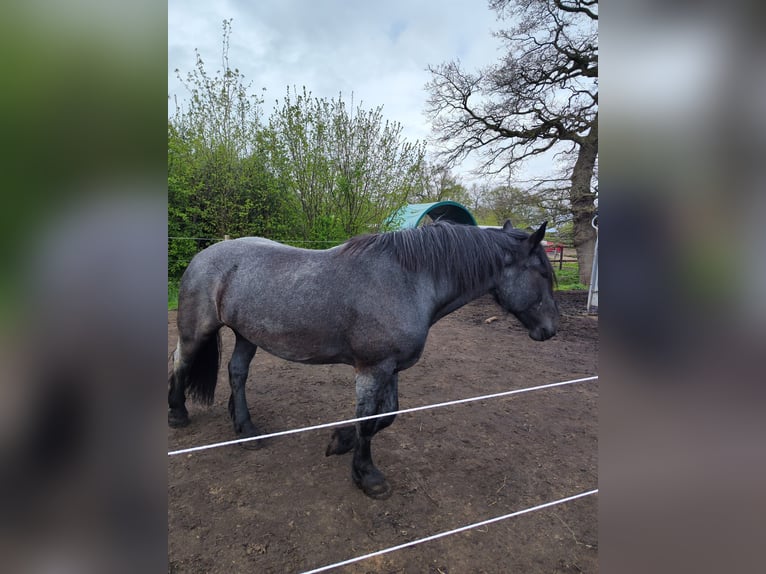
x: 375, y: 486
x: 177, y: 420
x: 378, y: 491
x: 342, y: 440
x: 251, y: 444
x: 249, y: 431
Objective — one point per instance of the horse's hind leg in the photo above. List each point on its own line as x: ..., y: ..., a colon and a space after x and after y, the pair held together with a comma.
x: 239, y: 366
x: 376, y: 393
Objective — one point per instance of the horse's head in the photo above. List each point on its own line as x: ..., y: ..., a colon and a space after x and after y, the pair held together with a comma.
x: 525, y: 288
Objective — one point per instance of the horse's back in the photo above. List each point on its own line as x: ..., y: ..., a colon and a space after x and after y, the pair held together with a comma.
x: 237, y: 267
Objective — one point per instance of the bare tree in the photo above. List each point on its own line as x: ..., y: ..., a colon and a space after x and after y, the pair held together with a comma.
x: 541, y: 96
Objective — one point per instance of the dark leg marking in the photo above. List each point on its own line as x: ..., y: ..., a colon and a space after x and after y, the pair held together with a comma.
x: 376, y: 393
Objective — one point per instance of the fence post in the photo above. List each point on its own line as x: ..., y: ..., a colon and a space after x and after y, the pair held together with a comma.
x: 593, y: 288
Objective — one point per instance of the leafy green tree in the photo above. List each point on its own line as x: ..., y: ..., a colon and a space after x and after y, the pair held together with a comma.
x: 184, y: 212
x: 217, y: 129
x: 219, y: 182
x: 347, y: 168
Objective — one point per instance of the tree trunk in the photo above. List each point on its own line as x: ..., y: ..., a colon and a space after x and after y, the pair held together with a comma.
x: 581, y: 199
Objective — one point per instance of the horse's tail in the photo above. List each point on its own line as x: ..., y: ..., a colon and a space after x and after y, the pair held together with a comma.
x: 203, y: 374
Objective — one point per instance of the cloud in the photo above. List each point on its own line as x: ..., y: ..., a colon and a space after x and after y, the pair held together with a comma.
x: 378, y: 51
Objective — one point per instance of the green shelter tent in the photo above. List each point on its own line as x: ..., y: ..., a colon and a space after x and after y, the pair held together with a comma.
x: 415, y: 214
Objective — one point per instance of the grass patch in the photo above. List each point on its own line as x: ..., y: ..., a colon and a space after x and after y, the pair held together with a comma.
x: 569, y: 277
x: 172, y: 295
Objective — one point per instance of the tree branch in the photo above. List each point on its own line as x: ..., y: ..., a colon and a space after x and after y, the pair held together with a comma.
x: 578, y: 8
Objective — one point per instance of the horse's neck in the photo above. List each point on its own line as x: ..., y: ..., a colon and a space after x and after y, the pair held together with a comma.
x: 449, y: 298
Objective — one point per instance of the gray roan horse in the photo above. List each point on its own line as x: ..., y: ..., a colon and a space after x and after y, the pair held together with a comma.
x: 368, y: 303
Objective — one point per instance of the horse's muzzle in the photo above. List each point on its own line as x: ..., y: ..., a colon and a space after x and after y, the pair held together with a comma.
x: 542, y: 333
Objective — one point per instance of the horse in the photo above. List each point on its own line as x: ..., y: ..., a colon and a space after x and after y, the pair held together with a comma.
x: 368, y: 303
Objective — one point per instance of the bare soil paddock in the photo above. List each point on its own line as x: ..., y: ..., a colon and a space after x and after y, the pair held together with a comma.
x: 288, y: 508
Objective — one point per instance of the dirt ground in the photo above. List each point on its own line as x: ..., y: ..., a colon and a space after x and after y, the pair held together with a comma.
x: 287, y: 508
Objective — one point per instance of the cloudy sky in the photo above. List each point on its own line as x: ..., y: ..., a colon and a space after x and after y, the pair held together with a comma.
x: 378, y: 51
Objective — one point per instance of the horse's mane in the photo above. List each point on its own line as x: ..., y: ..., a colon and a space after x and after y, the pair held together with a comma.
x: 469, y: 254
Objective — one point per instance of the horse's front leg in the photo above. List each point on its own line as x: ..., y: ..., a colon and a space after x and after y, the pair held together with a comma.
x: 239, y: 366
x: 343, y: 439
x: 376, y: 393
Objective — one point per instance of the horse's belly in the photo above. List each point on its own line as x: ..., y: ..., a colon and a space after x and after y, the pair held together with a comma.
x: 327, y: 340
x: 321, y: 357
x: 303, y: 348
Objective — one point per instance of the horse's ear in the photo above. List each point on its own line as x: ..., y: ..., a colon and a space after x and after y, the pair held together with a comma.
x: 537, y: 236
x: 507, y: 226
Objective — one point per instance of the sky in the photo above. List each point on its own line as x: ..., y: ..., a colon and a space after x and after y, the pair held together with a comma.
x: 377, y: 51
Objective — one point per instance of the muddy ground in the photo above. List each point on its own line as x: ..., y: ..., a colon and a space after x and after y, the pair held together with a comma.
x: 288, y: 508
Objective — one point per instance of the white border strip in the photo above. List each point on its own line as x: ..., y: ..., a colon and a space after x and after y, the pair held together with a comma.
x: 351, y: 421
x: 448, y: 533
